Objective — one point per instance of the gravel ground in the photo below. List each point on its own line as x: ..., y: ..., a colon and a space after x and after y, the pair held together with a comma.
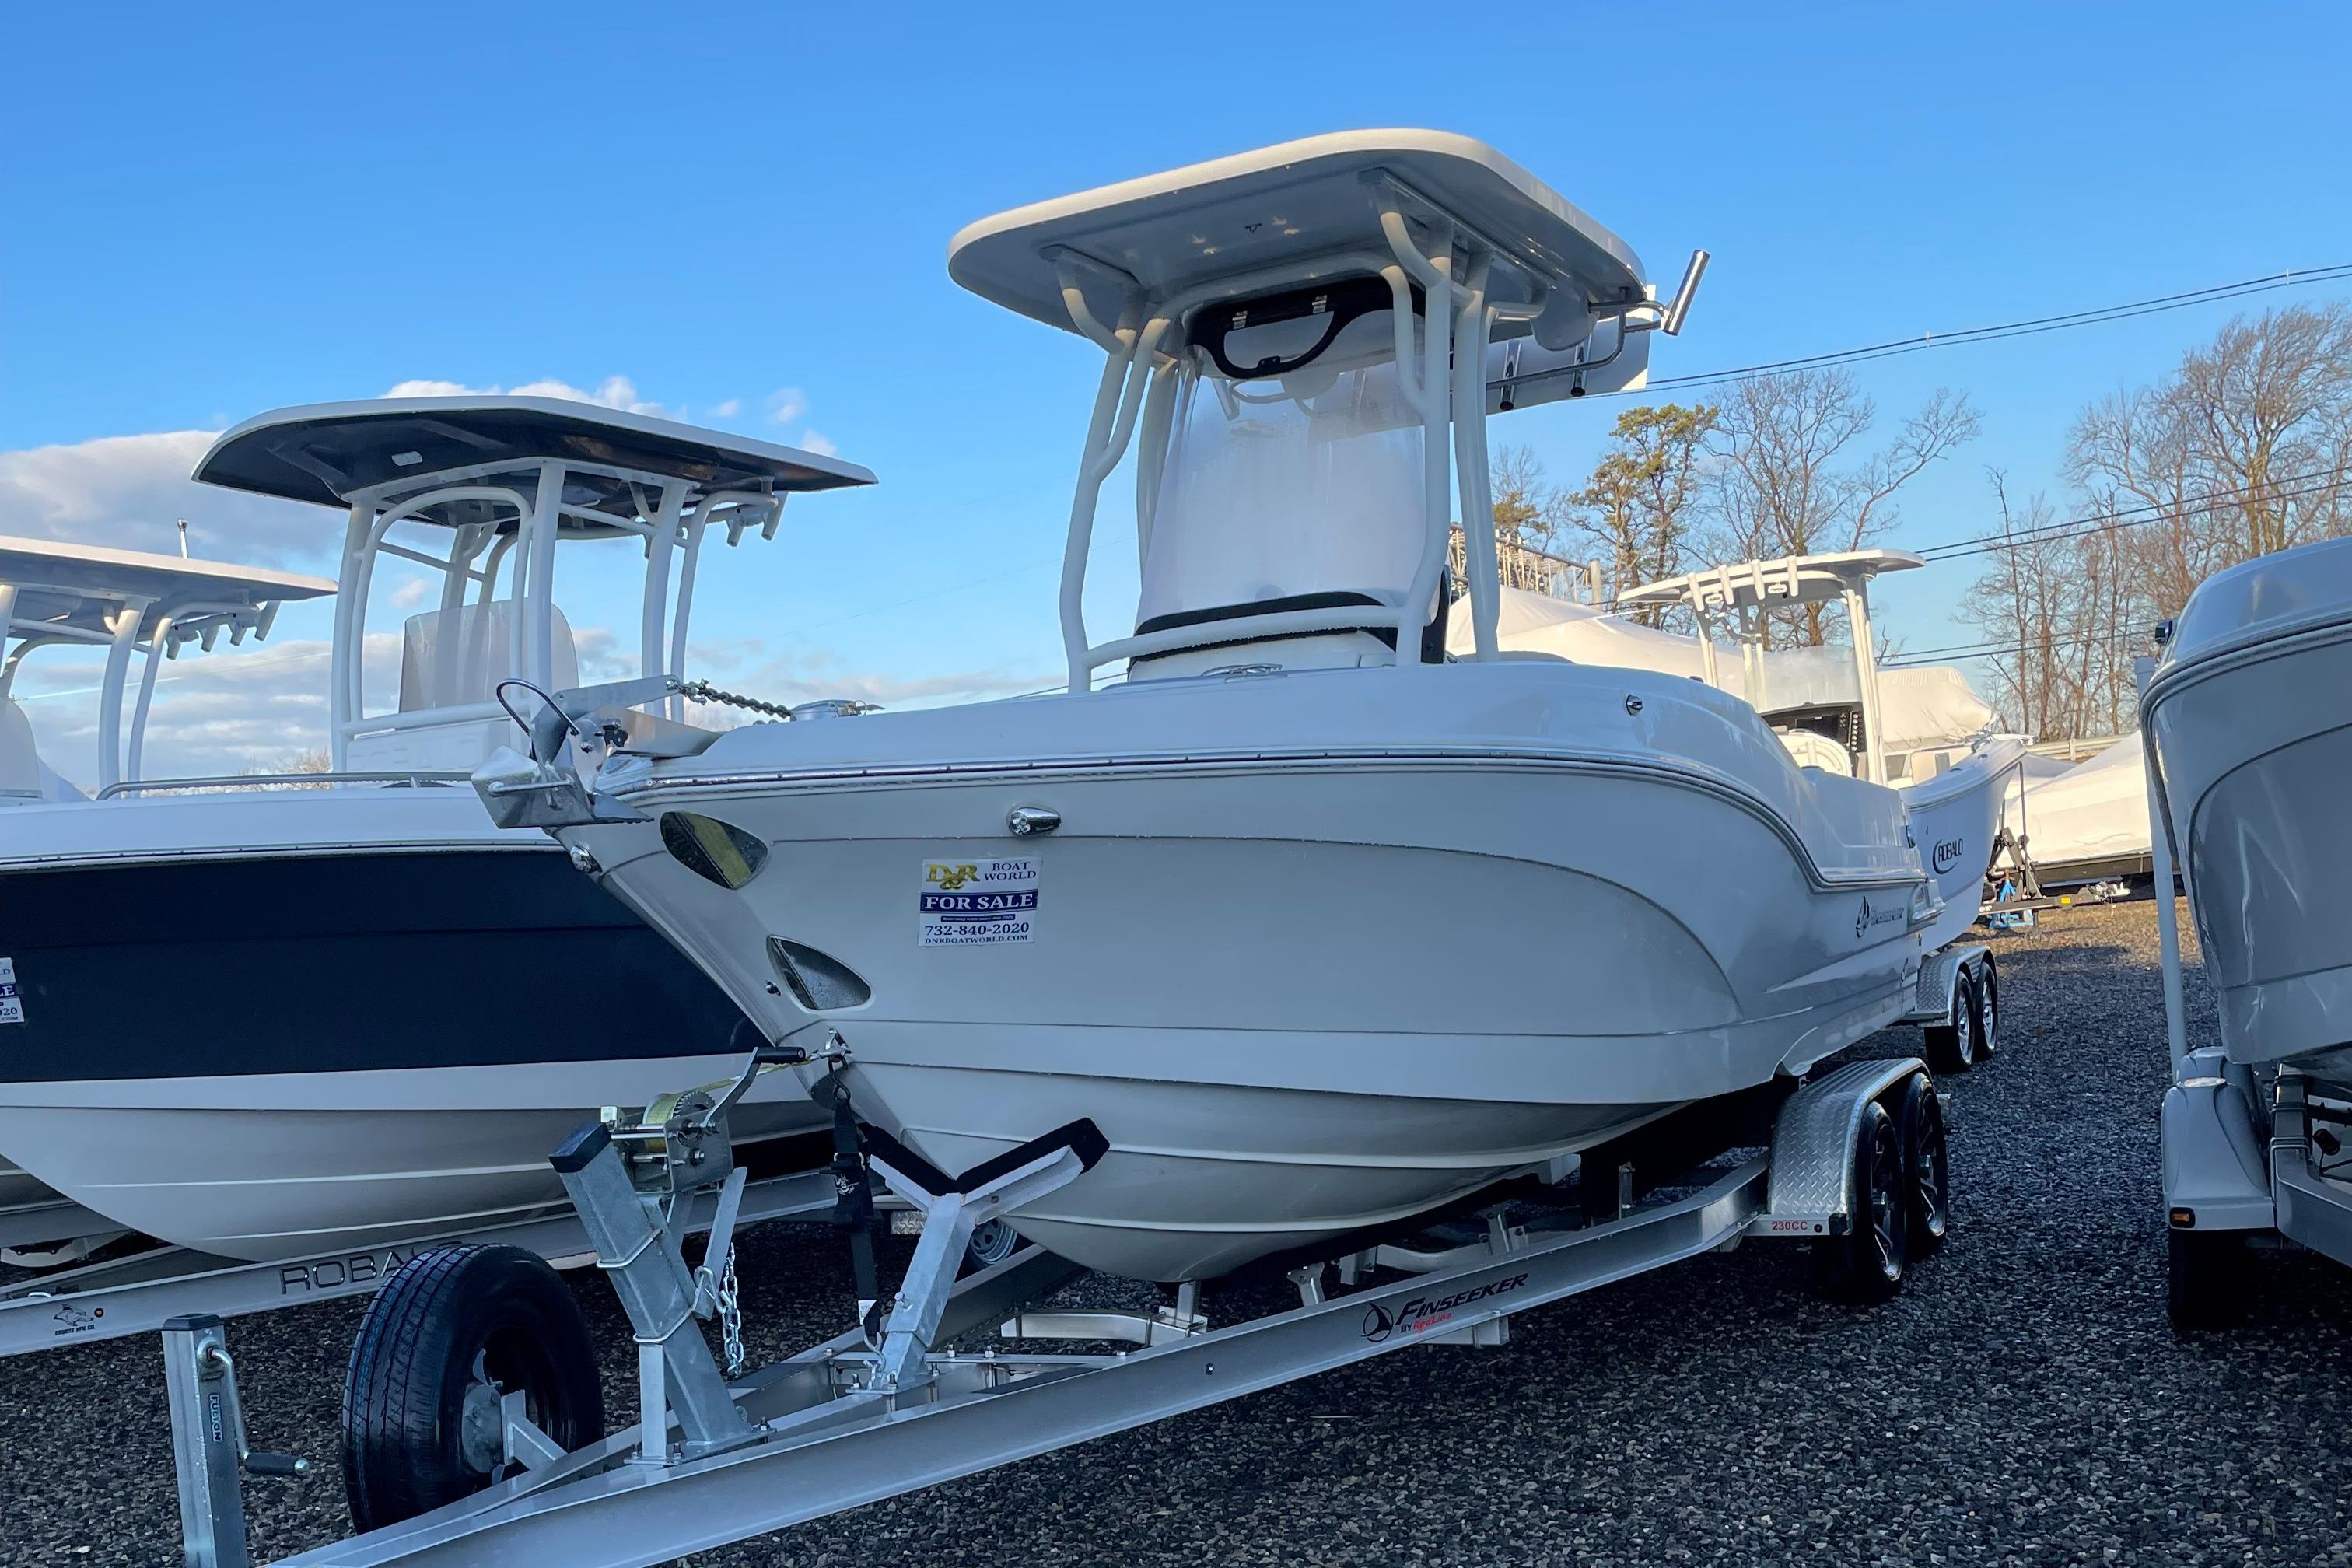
x: 2022, y: 1401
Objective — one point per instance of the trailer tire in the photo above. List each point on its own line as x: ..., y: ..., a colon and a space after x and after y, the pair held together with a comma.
x: 1866, y: 1264
x: 453, y: 1327
x: 2204, y: 1277
x: 1952, y: 1045
x: 1987, y: 988
x: 992, y: 1241
x: 1927, y: 1167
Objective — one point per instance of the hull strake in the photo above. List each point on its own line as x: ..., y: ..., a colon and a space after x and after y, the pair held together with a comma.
x: 1244, y: 978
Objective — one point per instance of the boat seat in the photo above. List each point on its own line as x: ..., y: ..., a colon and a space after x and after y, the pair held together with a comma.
x: 453, y: 659
x: 1225, y: 634
x: 20, y: 765
x: 1812, y: 749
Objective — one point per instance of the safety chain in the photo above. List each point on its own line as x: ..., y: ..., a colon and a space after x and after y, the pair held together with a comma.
x: 730, y: 1316
x: 703, y: 691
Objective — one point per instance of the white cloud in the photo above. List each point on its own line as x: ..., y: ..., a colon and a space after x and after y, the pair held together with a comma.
x: 787, y: 403
x: 411, y: 594
x: 129, y: 491
x: 729, y: 409
x: 612, y: 392
x: 810, y: 441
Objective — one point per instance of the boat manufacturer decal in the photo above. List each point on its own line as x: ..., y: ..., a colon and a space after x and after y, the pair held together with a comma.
x: 350, y: 1271
x: 12, y: 1005
x: 1946, y: 854
x: 1871, y: 915
x: 974, y: 904
x: 1420, y: 1314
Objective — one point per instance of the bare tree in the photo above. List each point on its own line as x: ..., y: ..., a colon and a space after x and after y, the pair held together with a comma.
x: 1641, y: 505
x: 1789, y: 479
x: 2241, y: 451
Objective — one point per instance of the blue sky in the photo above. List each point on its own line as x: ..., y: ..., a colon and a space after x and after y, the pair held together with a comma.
x: 744, y: 210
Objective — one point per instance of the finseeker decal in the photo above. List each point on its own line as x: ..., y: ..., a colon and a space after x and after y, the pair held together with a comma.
x: 1420, y: 1314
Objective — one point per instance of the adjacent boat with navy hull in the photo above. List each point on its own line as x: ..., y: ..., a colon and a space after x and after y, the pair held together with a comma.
x: 267, y: 1019
x: 134, y: 606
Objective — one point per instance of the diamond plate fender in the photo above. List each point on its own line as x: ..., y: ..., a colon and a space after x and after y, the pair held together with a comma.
x: 1807, y: 1193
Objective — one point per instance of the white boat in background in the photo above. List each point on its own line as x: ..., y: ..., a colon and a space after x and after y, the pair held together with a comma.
x: 2087, y: 823
x: 2249, y: 715
x: 1952, y: 792
x: 1925, y: 709
x: 1319, y: 931
x: 134, y: 606
x: 267, y: 1021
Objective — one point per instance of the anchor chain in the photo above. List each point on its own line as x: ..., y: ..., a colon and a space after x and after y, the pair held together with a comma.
x: 703, y: 691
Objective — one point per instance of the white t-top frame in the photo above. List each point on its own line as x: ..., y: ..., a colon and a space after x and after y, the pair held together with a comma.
x: 1740, y: 599
x: 55, y: 592
x: 1494, y: 251
x: 509, y: 477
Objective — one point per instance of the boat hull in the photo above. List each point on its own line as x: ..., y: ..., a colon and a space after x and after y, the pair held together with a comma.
x: 2254, y: 746
x: 277, y: 1167
x: 1955, y: 816
x: 1297, y: 997
x: 267, y: 1052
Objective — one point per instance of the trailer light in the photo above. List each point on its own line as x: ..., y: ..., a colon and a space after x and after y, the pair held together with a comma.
x: 712, y: 850
x: 819, y: 982
x: 2184, y: 1219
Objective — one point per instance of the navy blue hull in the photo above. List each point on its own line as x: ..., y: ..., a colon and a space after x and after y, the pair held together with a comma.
x: 338, y: 963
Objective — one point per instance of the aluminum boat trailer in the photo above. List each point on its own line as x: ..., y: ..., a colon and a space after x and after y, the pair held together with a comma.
x: 1854, y: 1163
x: 137, y: 1294
x: 141, y: 1292
x: 1956, y: 1004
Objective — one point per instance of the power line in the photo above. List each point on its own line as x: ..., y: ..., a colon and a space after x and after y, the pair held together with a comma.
x: 2294, y: 487
x: 2029, y: 327
x: 1996, y: 647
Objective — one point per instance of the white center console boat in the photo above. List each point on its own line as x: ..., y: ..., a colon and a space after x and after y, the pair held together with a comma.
x: 1953, y: 794
x: 1265, y: 913
x: 270, y: 1018
x: 153, y: 608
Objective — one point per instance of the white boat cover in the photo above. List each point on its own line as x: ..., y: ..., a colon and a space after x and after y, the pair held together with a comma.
x: 1930, y: 706
x: 2095, y: 810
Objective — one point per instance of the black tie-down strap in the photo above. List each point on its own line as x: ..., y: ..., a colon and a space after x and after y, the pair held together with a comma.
x: 853, y: 1191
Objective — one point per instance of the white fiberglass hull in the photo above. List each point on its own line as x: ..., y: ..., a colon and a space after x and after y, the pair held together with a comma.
x: 2251, y: 717
x: 1304, y: 992
x: 274, y: 1167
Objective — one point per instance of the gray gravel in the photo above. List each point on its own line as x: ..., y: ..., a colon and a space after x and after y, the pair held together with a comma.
x: 2023, y: 1401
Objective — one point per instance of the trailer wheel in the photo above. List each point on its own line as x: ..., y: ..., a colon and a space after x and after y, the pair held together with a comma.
x: 1952, y: 1045
x: 452, y: 1331
x: 2204, y: 1277
x: 1865, y: 1265
x: 1988, y: 1009
x: 1919, y: 1117
x: 991, y: 1243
